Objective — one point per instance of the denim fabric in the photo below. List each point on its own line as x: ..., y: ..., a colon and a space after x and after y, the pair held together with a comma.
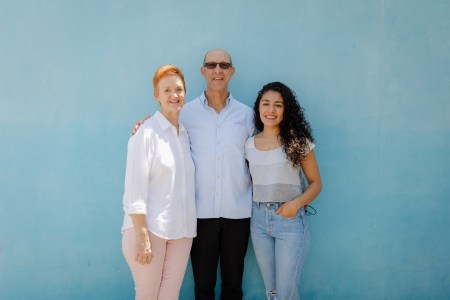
x: 281, y: 246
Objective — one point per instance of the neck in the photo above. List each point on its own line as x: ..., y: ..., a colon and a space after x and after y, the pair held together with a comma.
x: 271, y: 131
x: 217, y: 99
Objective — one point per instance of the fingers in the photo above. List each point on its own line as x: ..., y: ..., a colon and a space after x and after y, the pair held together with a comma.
x: 138, y: 123
x: 143, y: 250
x: 144, y: 258
x: 136, y: 127
x: 285, y: 213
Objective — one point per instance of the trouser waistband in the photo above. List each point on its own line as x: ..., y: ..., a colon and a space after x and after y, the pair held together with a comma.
x: 269, y: 204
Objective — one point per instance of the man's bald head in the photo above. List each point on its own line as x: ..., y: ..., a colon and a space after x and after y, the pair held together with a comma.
x: 217, y: 50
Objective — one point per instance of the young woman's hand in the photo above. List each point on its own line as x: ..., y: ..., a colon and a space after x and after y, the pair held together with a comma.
x: 311, y: 170
x: 289, y: 209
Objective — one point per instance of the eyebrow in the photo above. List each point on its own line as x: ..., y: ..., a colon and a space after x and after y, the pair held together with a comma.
x: 267, y: 100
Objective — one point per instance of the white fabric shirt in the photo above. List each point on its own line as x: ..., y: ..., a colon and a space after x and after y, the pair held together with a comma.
x: 159, y: 180
x: 222, y: 179
x: 274, y: 177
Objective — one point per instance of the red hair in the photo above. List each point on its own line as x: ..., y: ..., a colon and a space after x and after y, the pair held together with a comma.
x: 167, y: 70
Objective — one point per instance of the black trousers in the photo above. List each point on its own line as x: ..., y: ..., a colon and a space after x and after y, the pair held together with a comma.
x: 222, y: 238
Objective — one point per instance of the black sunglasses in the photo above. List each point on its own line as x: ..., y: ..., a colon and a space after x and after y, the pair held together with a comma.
x: 212, y: 65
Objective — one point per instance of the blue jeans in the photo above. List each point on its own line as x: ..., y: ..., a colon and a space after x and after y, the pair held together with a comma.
x: 281, y: 246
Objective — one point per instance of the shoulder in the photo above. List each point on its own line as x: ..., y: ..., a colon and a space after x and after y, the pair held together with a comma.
x: 245, y: 112
x: 146, y: 130
x: 241, y: 106
x: 249, y: 147
x: 249, y: 144
x: 190, y: 112
x: 310, y: 145
x: 150, y: 124
x: 192, y: 106
x: 194, y: 103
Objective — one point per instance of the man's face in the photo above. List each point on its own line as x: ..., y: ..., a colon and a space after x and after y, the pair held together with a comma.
x: 217, y: 78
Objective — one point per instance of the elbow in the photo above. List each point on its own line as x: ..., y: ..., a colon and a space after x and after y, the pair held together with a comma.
x: 319, y: 186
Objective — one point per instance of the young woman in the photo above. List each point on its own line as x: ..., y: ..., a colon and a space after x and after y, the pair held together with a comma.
x: 160, y: 218
x: 281, y: 149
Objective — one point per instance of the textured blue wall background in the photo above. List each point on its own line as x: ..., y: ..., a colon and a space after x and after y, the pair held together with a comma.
x: 373, y: 76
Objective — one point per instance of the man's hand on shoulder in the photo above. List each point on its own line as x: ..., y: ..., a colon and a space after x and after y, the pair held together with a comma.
x: 138, y: 124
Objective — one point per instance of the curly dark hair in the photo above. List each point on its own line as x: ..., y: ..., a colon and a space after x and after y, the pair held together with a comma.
x: 295, y: 130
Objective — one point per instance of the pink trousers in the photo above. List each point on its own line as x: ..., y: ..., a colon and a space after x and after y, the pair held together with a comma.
x: 162, y: 278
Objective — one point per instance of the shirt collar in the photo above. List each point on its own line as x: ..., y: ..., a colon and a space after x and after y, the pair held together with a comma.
x: 205, y: 101
x: 164, y: 123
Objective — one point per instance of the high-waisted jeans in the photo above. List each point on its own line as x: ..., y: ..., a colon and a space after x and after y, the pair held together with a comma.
x: 281, y: 246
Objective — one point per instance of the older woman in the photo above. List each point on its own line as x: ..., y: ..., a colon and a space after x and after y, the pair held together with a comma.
x: 160, y: 218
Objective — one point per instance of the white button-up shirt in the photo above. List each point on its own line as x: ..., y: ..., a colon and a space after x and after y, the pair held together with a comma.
x: 159, y: 180
x: 222, y: 179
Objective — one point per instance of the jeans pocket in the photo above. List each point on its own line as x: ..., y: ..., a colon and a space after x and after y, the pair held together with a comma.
x: 296, y: 216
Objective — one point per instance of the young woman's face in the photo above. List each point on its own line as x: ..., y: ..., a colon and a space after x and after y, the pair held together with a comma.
x: 271, y: 108
x: 170, y: 94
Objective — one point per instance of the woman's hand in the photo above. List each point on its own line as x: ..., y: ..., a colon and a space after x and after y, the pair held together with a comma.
x: 311, y: 170
x: 288, y: 210
x: 143, y: 248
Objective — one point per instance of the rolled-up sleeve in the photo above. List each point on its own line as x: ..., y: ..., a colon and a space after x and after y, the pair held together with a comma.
x: 139, y: 158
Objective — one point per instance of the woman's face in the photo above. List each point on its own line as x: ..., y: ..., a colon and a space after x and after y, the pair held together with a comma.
x: 170, y: 95
x: 271, y: 108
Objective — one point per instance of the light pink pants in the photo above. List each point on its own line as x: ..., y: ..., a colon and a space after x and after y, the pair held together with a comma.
x: 162, y: 278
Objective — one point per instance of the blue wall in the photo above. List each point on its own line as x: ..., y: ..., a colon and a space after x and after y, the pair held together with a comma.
x: 373, y: 76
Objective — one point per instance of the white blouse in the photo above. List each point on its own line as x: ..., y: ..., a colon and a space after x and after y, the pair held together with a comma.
x: 159, y: 180
x: 273, y: 175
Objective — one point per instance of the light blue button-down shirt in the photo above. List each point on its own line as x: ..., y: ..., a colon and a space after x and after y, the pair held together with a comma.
x: 222, y: 179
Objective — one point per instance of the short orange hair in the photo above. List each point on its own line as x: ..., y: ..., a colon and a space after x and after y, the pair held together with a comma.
x: 167, y: 70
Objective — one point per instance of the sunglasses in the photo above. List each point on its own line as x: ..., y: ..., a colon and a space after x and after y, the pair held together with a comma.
x: 213, y: 65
